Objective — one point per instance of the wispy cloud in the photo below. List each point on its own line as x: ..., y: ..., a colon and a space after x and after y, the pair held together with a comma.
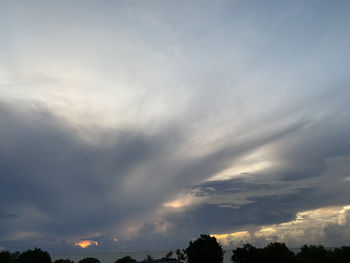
x: 155, y: 122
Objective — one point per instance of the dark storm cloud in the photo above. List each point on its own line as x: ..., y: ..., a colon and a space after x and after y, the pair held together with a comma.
x: 314, y: 173
x: 115, y: 110
x: 262, y: 210
x: 57, y: 183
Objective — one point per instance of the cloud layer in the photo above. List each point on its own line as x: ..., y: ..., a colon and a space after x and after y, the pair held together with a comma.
x: 138, y: 127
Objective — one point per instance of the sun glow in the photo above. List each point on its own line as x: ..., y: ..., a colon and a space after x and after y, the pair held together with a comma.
x: 237, y: 234
x: 174, y: 204
x: 226, y: 238
x: 86, y: 243
x: 254, y: 162
x: 183, y: 201
x: 234, y: 234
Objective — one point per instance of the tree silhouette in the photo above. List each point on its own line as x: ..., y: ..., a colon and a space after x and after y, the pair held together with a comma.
x: 180, y: 254
x: 278, y: 252
x: 246, y: 254
x: 5, y: 257
x: 204, y: 250
x: 125, y: 259
x: 169, y: 255
x: 148, y: 258
x: 341, y: 255
x: 89, y: 260
x: 34, y: 256
x: 313, y: 254
x: 63, y: 261
x: 272, y: 253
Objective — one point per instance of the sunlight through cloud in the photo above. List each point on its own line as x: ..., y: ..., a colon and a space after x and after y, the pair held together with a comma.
x: 86, y: 243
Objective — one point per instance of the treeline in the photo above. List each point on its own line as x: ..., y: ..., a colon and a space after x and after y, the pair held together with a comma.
x: 206, y: 249
x: 40, y: 256
x: 280, y: 253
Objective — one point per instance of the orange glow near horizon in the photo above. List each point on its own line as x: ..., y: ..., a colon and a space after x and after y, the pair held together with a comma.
x: 86, y: 243
x: 235, y: 234
x: 174, y: 204
x: 183, y: 201
x: 225, y: 238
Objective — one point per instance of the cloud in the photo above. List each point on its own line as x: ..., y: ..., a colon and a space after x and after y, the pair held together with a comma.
x: 248, y: 201
x: 337, y: 233
x: 102, y: 182
x: 153, y: 123
x: 328, y: 226
x: 56, y: 183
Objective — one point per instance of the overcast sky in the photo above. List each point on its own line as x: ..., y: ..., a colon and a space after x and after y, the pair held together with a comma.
x: 138, y: 125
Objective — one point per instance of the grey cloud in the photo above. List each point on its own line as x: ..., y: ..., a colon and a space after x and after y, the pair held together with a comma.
x: 59, y: 184
x: 218, y: 81
x: 254, y: 200
x: 55, y: 183
x: 262, y: 210
x: 337, y: 234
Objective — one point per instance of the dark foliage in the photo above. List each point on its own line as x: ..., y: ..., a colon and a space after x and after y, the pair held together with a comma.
x: 89, y: 260
x: 148, y: 258
x: 272, y: 253
x: 341, y: 255
x: 169, y: 255
x: 34, y: 256
x: 204, y: 250
x: 5, y: 257
x: 125, y: 259
x: 180, y: 254
x: 15, y: 256
x: 246, y: 254
x: 314, y: 254
x: 207, y: 250
x: 63, y: 261
x: 277, y: 252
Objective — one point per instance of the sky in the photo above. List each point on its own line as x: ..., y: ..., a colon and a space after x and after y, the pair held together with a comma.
x: 139, y: 125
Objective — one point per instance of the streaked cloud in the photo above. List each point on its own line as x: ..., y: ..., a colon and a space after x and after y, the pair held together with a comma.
x: 154, y: 122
